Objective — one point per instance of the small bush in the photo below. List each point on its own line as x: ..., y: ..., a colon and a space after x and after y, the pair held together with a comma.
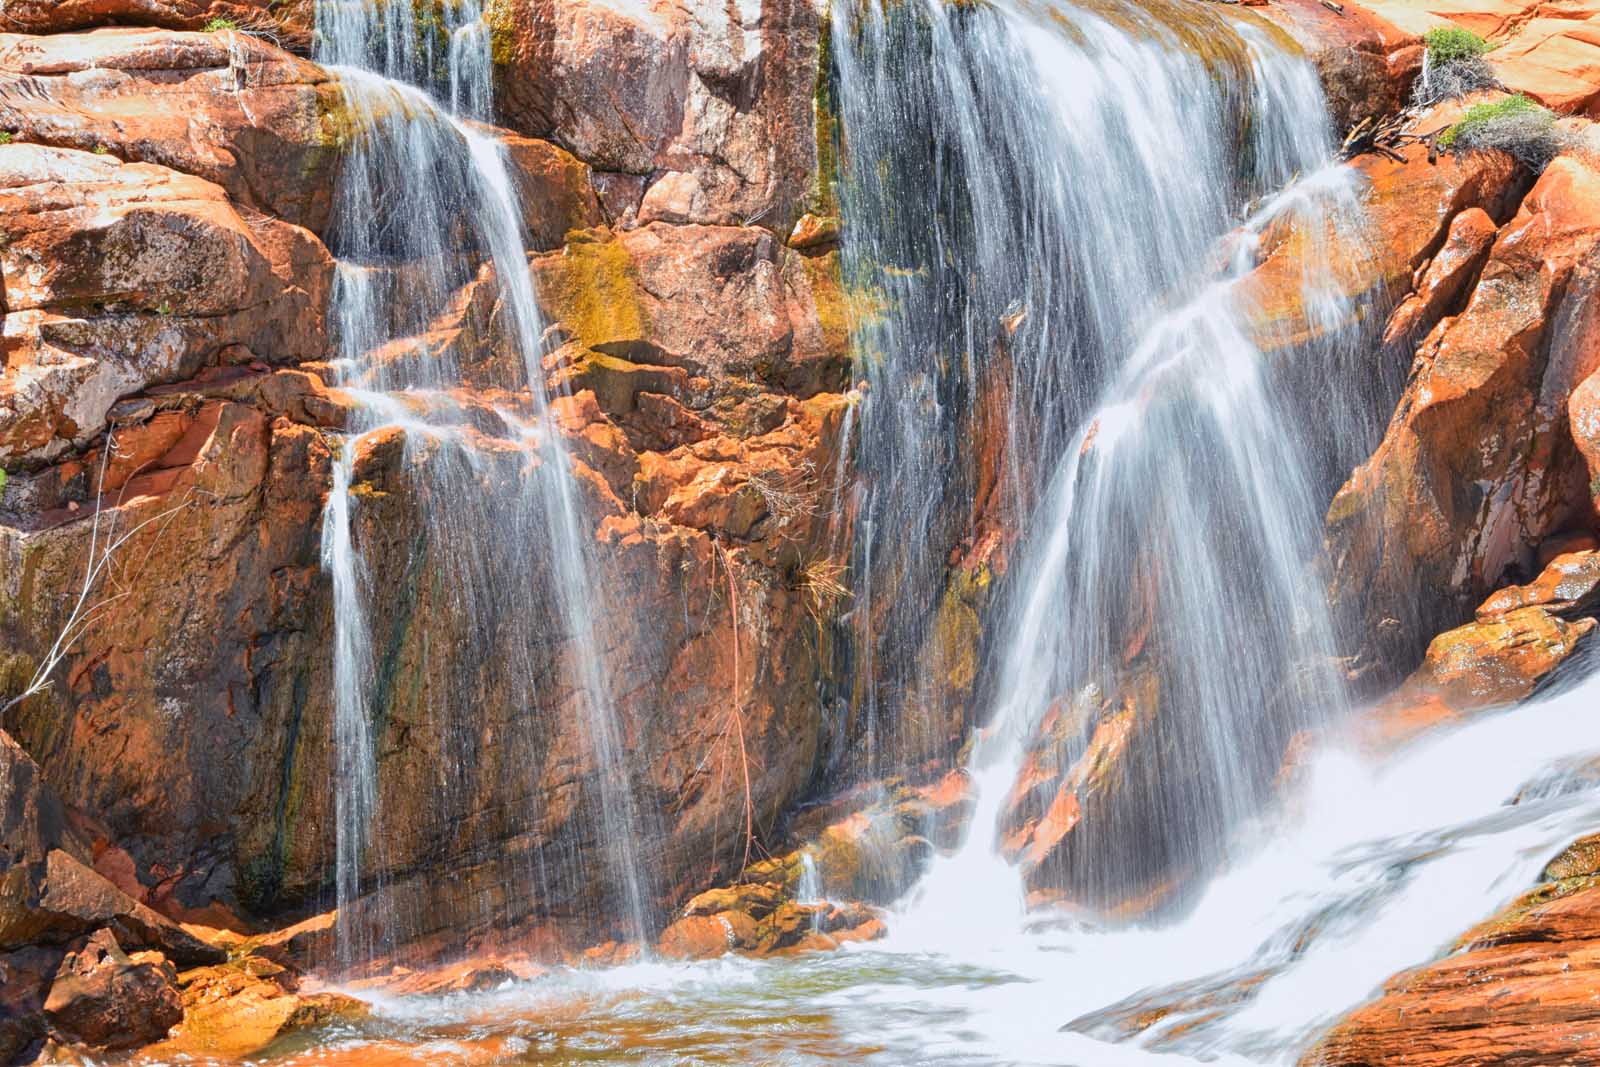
x: 5, y: 137
x: 217, y: 25
x: 1450, y: 44
x: 1515, y: 125
x: 1454, y: 67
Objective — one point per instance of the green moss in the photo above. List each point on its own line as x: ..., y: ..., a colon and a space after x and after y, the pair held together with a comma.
x: 958, y: 628
x: 593, y: 291
x: 1481, y: 117
x: 217, y: 25
x: 498, y: 15
x: 824, y: 198
x: 1449, y: 44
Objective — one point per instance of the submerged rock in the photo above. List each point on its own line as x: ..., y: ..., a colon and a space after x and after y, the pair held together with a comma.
x: 1518, y: 989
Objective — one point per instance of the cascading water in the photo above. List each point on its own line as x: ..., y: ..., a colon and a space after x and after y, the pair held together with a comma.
x: 1047, y: 227
x: 492, y: 480
x: 1054, y: 242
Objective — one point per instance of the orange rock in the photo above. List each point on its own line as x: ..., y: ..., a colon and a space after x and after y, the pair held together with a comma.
x: 1484, y: 664
x: 1568, y: 586
x: 1519, y: 989
x: 190, y: 274
x: 102, y: 998
x: 719, y: 111
x: 231, y: 108
x: 290, y: 20
x: 1477, y: 467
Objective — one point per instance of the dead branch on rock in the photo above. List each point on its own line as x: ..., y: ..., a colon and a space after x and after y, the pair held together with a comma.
x: 104, y: 544
x: 788, y: 494
x: 731, y: 729
x: 823, y: 590
x: 1387, y: 136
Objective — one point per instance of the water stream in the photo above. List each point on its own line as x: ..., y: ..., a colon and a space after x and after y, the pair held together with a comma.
x: 434, y: 293
x: 1049, y: 212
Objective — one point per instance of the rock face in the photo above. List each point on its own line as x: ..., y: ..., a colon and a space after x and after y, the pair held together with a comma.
x: 227, y: 107
x: 692, y: 113
x: 166, y: 182
x: 1480, y: 464
x: 166, y: 333
x: 1518, y: 989
x: 1551, y: 52
x: 123, y: 276
x: 289, y: 20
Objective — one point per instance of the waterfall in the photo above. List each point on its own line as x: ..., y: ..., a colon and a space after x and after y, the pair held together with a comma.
x: 441, y: 339
x: 1062, y: 239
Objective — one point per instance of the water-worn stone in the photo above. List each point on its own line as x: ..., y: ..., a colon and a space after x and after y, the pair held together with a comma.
x: 1478, y: 466
x: 121, y: 276
x: 228, y: 107
x: 1518, y: 989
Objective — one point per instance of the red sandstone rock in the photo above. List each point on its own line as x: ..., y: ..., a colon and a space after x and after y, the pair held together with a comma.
x: 714, y: 103
x: 288, y: 20
x: 239, y: 1009
x: 1478, y: 467
x: 120, y: 276
x: 102, y: 998
x: 228, y: 107
x: 1520, y: 989
x: 1550, y: 51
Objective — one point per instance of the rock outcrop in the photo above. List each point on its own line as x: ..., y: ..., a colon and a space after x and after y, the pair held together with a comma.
x: 167, y: 178
x: 1518, y: 989
x: 1479, y: 466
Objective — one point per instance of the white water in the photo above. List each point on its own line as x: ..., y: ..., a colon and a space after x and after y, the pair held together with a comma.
x: 1366, y: 870
x: 425, y: 202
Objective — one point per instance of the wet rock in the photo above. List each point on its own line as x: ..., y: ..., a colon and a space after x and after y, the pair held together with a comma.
x: 1410, y: 221
x: 232, y: 502
x: 554, y: 190
x: 230, y: 108
x: 121, y: 276
x: 715, y: 104
x: 1478, y: 466
x: 1518, y: 989
x: 1569, y: 586
x: 103, y: 998
x: 1490, y: 663
x: 1360, y: 58
x: 241, y: 1008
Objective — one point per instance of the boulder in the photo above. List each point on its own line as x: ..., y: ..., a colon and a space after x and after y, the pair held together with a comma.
x: 240, y: 1008
x: 231, y: 108
x: 713, y: 104
x: 1479, y: 465
x: 122, y: 276
x: 103, y: 998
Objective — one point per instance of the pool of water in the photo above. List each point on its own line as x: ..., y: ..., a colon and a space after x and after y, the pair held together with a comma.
x: 1370, y: 869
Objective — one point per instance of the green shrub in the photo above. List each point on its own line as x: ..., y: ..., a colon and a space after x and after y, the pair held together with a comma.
x: 6, y: 137
x: 1449, y: 44
x: 217, y: 25
x: 1515, y: 125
